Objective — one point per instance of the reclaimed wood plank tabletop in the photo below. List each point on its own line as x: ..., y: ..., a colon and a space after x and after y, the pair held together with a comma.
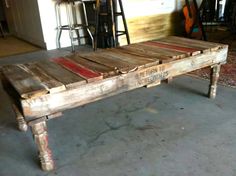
x: 42, y: 90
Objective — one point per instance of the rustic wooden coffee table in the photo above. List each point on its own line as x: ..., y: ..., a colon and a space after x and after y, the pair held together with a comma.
x: 41, y: 90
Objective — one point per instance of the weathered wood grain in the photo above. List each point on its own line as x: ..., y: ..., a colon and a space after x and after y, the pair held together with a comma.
x: 96, y: 67
x: 104, y: 88
x: 144, y: 28
x: 181, y: 48
x: 199, y: 43
x: 164, y: 51
x: 24, y: 83
x: 215, y: 73
x: 119, y: 65
x: 175, y: 41
x: 66, y: 77
x: 21, y: 123
x: 51, y: 84
x: 132, y: 56
x: 142, y: 52
x: 78, y: 69
x: 133, y: 60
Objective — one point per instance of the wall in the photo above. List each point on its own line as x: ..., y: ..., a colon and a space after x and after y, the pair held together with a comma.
x: 35, y: 21
x: 48, y: 22
x: 49, y: 25
x: 152, y: 19
x: 23, y: 20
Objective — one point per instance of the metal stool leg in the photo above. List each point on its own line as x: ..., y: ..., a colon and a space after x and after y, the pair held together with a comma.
x: 74, y: 20
x: 58, y: 20
x: 71, y: 40
x: 59, y: 31
x: 91, y: 37
x: 69, y: 11
x: 86, y: 24
x: 78, y: 36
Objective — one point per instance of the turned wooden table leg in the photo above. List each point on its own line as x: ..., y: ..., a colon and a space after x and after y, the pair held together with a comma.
x: 215, y: 71
x: 39, y: 130
x: 22, y: 125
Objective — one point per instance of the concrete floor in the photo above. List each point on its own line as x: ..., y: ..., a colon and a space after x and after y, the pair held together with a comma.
x: 169, y: 130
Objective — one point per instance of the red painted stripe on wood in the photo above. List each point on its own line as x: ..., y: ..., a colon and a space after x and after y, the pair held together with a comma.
x: 168, y: 46
x: 76, y: 68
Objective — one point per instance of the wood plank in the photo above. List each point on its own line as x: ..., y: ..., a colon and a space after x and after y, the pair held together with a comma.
x: 135, y: 52
x: 74, y: 67
x: 172, y: 41
x: 105, y: 71
x: 181, y: 48
x: 166, y: 51
x: 211, y: 45
x: 202, y: 42
x: 111, y: 86
x: 138, y: 60
x: 165, y: 54
x: 146, y: 49
x: 51, y: 84
x: 141, y: 52
x: 131, y: 54
x: 24, y: 83
x: 162, y: 56
x: 98, y: 58
x: 119, y: 56
x: 120, y: 66
x: 66, y: 77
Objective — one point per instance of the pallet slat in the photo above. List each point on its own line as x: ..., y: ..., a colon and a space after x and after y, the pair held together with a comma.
x: 96, y: 67
x: 190, y: 51
x: 167, y: 40
x: 210, y: 45
x: 132, y: 58
x: 165, y: 51
x: 51, y: 84
x: 165, y: 54
x: 109, y: 61
x: 66, y: 77
x: 141, y: 52
x: 25, y: 84
x: 83, y: 72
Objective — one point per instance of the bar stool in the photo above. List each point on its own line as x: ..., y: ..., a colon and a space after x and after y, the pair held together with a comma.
x: 107, y: 31
x: 72, y: 25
